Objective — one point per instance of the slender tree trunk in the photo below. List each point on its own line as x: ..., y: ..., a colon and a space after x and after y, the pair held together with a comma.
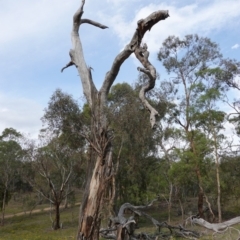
x: 4, y: 200
x: 210, y: 208
x: 218, y: 179
x: 182, y: 210
x: 113, y: 189
x: 3, y: 206
x: 57, y: 216
x: 199, y: 178
x: 219, y: 196
x: 66, y: 198
x: 200, y: 195
x: 170, y: 202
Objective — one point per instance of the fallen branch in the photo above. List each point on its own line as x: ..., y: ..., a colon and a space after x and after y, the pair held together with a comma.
x: 216, y: 227
x: 121, y: 227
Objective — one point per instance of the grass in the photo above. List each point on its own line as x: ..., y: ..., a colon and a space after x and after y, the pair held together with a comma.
x: 38, y: 226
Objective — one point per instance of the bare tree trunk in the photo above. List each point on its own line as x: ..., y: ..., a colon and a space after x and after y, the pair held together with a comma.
x: 89, y: 220
x: 100, y: 168
x: 4, y: 199
x: 199, y: 178
x: 66, y: 198
x: 182, y: 210
x: 200, y: 202
x: 219, y: 194
x: 170, y: 202
x: 210, y: 208
x: 113, y: 193
x: 3, y: 206
x: 200, y: 194
x: 57, y: 216
x: 218, y: 178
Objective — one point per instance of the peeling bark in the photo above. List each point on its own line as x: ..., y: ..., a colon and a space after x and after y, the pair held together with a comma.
x: 100, y: 169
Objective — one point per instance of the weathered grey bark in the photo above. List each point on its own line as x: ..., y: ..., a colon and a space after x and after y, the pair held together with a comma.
x: 210, y: 208
x: 217, y: 227
x: 113, y: 196
x: 100, y: 165
x: 122, y: 227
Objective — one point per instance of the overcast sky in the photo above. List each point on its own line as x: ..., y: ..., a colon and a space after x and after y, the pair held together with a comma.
x: 35, y: 41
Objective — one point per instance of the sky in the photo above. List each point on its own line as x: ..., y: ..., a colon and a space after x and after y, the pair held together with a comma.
x: 35, y: 42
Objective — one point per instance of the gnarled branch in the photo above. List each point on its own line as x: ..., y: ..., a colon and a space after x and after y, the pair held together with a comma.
x: 77, y: 56
x: 216, y: 227
x: 96, y: 24
x: 142, y: 55
x: 143, y: 26
x: 121, y: 226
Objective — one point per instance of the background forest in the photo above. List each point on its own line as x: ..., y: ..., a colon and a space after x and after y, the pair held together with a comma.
x: 189, y: 162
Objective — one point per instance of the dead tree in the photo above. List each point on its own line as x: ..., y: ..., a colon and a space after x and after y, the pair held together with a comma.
x: 218, y: 228
x: 121, y: 227
x: 100, y: 169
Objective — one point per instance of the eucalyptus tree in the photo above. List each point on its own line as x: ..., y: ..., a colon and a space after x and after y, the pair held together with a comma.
x: 211, y: 121
x: 195, y: 65
x: 234, y: 116
x: 135, y: 150
x: 59, y: 154
x: 101, y: 167
x: 11, y: 153
x: 63, y: 118
x: 230, y: 177
x: 51, y: 172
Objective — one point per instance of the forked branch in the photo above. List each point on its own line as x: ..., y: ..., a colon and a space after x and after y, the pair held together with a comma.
x: 142, y: 54
x: 121, y: 227
x: 77, y: 56
x: 77, y: 59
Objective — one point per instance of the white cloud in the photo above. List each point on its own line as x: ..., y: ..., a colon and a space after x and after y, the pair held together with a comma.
x: 34, y: 33
x: 23, y: 19
x: 118, y: 2
x: 190, y: 19
x: 235, y: 46
x: 19, y: 113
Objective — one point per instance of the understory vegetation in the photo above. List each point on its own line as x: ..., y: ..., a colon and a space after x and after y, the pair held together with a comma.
x: 37, y: 226
x: 188, y: 163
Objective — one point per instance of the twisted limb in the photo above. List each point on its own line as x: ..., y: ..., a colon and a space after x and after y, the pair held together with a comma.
x: 142, y: 55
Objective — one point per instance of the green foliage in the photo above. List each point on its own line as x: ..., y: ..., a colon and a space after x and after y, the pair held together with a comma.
x: 234, y: 117
x: 199, y: 79
x: 186, y: 141
x: 8, y: 195
x: 11, y: 154
x: 230, y: 176
x: 63, y: 118
x: 132, y: 131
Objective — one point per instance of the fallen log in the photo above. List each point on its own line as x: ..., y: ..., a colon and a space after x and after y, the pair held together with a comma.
x: 121, y: 227
x: 216, y: 227
x: 219, y: 228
